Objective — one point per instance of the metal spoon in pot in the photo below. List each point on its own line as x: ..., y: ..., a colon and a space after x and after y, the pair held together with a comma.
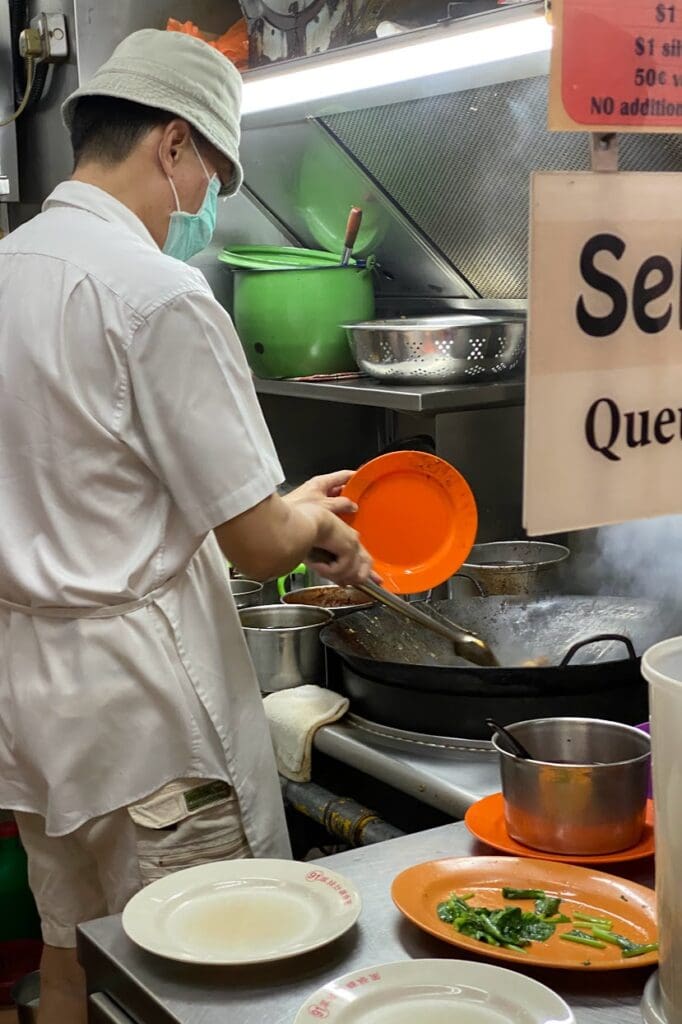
x: 467, y: 645
x: 518, y: 749
x: 515, y: 747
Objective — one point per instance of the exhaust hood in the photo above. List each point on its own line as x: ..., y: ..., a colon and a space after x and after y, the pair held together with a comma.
x: 426, y: 58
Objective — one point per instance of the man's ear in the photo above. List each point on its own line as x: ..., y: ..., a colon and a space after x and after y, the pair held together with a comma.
x: 175, y: 138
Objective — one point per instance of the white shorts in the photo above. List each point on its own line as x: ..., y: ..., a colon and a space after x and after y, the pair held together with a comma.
x: 95, y: 870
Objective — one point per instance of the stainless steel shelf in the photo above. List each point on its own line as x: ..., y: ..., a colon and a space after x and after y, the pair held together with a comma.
x: 401, y: 397
x: 151, y: 990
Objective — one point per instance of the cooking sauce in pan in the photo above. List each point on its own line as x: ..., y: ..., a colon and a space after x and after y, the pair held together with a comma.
x: 328, y: 597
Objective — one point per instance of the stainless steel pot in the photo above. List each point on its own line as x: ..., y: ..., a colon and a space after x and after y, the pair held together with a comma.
x: 284, y: 642
x: 300, y: 578
x: 26, y: 997
x: 246, y: 593
x: 315, y: 597
x: 587, y: 794
x: 521, y: 567
x: 452, y: 349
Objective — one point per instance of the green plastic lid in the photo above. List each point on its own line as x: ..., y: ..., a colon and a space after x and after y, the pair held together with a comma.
x: 273, y: 257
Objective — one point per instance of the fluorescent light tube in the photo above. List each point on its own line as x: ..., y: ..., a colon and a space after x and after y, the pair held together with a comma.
x: 404, y: 61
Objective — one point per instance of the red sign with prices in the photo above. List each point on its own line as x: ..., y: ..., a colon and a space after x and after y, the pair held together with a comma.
x: 621, y: 63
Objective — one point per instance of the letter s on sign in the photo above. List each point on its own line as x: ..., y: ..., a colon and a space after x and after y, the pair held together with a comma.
x: 602, y: 326
x: 612, y: 424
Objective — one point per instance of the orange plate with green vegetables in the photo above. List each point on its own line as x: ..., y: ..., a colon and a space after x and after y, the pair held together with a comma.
x: 416, y: 516
x: 418, y: 891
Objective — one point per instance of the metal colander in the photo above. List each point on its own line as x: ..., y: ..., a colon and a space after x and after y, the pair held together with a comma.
x: 439, y: 350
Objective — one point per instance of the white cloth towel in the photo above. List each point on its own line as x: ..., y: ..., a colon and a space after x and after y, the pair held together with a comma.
x: 294, y: 716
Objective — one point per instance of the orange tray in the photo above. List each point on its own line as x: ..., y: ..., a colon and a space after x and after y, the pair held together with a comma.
x: 416, y: 516
x: 485, y: 820
x: 418, y: 891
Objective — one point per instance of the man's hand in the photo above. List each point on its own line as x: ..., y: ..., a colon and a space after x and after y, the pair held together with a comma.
x: 337, y: 553
x: 274, y: 536
x: 326, y: 490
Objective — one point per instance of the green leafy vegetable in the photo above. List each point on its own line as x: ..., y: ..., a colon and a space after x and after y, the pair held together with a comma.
x: 601, y: 922
x: 548, y: 906
x: 582, y: 938
x: 524, y: 894
x: 604, y: 935
x: 509, y: 927
x: 640, y: 950
x: 536, y: 928
x: 512, y: 927
x: 452, y: 909
x: 629, y: 948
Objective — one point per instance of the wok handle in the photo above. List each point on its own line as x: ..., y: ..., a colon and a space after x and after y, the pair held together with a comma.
x: 568, y: 657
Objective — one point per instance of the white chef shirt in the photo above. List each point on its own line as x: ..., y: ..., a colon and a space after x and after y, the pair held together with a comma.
x: 129, y: 429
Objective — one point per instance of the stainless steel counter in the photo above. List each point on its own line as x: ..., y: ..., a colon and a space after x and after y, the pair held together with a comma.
x: 151, y: 991
x: 449, y: 775
x: 400, y: 397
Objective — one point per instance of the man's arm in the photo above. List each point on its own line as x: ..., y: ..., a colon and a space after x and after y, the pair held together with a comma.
x: 274, y: 536
x: 193, y: 416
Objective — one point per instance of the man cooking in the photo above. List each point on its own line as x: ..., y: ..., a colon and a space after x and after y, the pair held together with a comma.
x: 134, y: 459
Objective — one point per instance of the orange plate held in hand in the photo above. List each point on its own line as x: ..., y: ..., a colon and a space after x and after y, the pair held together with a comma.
x: 416, y: 516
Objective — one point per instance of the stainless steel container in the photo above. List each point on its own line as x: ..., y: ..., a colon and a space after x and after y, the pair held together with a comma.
x: 453, y: 349
x: 588, y: 794
x: 521, y: 567
x: 26, y: 996
x: 246, y: 593
x: 284, y: 641
x: 314, y: 597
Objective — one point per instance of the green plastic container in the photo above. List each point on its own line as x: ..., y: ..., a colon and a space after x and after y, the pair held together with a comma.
x: 289, y: 305
x: 18, y: 914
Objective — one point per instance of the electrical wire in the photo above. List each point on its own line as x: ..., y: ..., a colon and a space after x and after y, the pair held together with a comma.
x: 30, y: 71
x: 39, y: 79
x: 19, y: 19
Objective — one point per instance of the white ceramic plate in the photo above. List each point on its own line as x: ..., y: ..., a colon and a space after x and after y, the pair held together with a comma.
x: 241, y: 912
x: 435, y: 992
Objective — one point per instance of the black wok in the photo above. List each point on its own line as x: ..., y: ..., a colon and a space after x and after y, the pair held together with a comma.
x: 396, y: 674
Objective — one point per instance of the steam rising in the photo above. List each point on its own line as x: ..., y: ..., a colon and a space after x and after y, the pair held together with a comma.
x: 640, y: 559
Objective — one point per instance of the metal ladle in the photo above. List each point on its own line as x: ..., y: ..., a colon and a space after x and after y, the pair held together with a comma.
x: 467, y: 645
x: 515, y: 747
x: 352, y: 229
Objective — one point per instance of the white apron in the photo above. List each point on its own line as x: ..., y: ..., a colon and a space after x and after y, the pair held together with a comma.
x: 101, y: 706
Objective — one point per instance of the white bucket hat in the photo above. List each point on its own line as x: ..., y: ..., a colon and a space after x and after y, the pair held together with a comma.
x: 180, y: 74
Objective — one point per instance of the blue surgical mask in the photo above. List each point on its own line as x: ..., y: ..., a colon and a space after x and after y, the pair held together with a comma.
x: 189, y: 233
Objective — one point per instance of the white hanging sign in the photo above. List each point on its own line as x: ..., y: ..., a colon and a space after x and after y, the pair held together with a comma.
x: 603, y: 435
